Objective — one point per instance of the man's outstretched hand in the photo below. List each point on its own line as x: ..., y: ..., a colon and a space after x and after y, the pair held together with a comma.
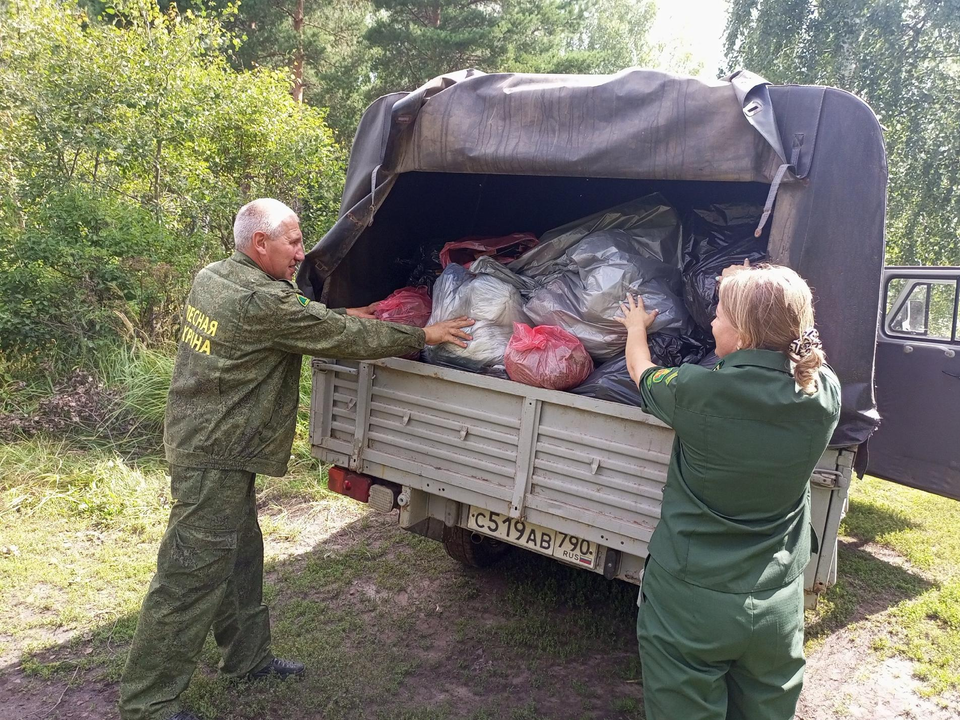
x: 366, y: 311
x: 450, y: 331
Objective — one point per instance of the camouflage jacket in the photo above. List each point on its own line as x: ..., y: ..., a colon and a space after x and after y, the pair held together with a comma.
x: 235, y: 388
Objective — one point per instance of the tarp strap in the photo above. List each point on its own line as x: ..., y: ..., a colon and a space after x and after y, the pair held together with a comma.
x: 771, y: 197
x: 373, y: 195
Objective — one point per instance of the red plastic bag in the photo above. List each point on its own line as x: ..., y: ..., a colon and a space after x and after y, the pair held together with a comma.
x: 502, y: 249
x: 546, y: 356
x: 407, y: 306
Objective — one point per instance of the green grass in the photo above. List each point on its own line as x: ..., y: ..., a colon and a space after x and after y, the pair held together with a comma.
x: 925, y: 530
x: 384, y: 619
x: 58, y: 480
x: 899, y: 580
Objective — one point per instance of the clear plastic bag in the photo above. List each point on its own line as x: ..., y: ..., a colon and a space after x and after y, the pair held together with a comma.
x: 585, y: 299
x: 406, y: 306
x: 495, y: 306
x: 546, y: 356
x: 488, y: 266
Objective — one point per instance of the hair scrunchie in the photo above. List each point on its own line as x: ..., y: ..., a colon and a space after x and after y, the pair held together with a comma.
x: 808, y: 341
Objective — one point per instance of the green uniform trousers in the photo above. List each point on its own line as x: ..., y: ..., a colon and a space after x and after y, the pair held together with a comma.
x: 209, y: 575
x: 710, y: 655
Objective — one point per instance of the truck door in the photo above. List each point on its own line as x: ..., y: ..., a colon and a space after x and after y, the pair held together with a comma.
x: 918, y: 381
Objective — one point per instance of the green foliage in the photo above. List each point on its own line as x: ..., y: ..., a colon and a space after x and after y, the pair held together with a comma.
x: 346, y: 53
x: 80, y: 256
x: 415, y: 40
x: 128, y: 145
x: 903, y: 58
x: 319, y: 43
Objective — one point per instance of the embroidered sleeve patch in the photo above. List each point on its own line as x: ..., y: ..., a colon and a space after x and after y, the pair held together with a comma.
x: 664, y: 375
x: 302, y: 300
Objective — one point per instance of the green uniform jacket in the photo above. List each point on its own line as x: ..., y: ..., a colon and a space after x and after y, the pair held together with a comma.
x: 736, y: 510
x: 235, y: 388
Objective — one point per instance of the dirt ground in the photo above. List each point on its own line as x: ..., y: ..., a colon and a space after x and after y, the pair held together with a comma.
x: 462, y: 660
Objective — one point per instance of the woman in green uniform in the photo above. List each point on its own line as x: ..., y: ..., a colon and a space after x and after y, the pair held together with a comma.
x: 720, y: 626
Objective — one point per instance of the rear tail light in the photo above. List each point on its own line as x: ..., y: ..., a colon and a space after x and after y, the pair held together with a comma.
x: 349, y: 483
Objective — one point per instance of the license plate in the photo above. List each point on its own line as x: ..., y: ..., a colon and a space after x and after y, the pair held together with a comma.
x: 545, y: 541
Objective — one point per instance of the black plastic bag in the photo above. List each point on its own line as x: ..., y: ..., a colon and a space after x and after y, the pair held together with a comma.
x: 715, y: 238
x: 424, y: 266
x: 612, y: 382
x: 669, y: 350
x: 710, y: 360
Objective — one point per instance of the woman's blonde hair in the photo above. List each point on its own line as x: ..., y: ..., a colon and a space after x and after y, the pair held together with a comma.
x: 771, y: 307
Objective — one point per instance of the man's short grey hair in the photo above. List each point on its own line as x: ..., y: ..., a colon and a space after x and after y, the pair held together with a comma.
x: 261, y: 215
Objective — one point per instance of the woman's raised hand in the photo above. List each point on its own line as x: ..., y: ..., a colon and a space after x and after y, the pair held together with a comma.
x: 635, y: 315
x: 729, y: 272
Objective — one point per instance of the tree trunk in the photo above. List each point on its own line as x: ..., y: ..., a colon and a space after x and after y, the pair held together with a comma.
x: 156, y: 177
x: 298, y: 58
x: 433, y: 17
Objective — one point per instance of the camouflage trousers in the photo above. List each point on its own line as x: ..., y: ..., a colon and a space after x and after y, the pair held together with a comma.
x: 209, y: 575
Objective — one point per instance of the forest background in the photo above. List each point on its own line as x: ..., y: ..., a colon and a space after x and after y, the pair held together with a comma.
x: 131, y: 130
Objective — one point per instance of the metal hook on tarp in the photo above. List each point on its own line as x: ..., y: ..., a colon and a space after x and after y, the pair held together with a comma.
x: 751, y: 91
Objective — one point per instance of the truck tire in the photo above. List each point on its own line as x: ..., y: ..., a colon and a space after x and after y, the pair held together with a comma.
x: 471, y: 548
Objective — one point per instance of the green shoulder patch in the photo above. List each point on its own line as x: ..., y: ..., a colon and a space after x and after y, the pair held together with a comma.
x: 656, y: 376
x: 302, y: 300
x: 664, y: 375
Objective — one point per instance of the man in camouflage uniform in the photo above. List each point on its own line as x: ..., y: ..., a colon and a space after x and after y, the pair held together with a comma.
x: 231, y: 413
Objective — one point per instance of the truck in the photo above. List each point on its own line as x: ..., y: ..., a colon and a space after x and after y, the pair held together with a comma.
x: 483, y: 464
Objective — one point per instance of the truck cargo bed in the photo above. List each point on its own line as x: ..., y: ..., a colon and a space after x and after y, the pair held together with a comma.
x: 583, y: 467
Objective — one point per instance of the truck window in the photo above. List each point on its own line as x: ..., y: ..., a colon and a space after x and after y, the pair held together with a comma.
x: 921, y: 308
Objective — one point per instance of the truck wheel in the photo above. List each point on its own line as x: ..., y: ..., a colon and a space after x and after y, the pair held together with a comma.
x: 471, y: 548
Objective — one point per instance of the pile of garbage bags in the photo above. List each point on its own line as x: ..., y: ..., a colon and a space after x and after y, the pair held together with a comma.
x: 546, y: 309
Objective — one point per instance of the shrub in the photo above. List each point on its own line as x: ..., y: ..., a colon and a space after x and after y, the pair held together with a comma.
x: 127, y: 146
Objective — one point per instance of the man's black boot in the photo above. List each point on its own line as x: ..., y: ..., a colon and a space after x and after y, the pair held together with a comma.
x: 278, y: 668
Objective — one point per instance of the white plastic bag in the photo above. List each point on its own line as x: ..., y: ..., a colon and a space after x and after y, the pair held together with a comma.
x: 494, y: 305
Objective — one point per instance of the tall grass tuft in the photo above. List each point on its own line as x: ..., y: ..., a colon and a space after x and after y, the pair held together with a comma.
x: 142, y: 375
